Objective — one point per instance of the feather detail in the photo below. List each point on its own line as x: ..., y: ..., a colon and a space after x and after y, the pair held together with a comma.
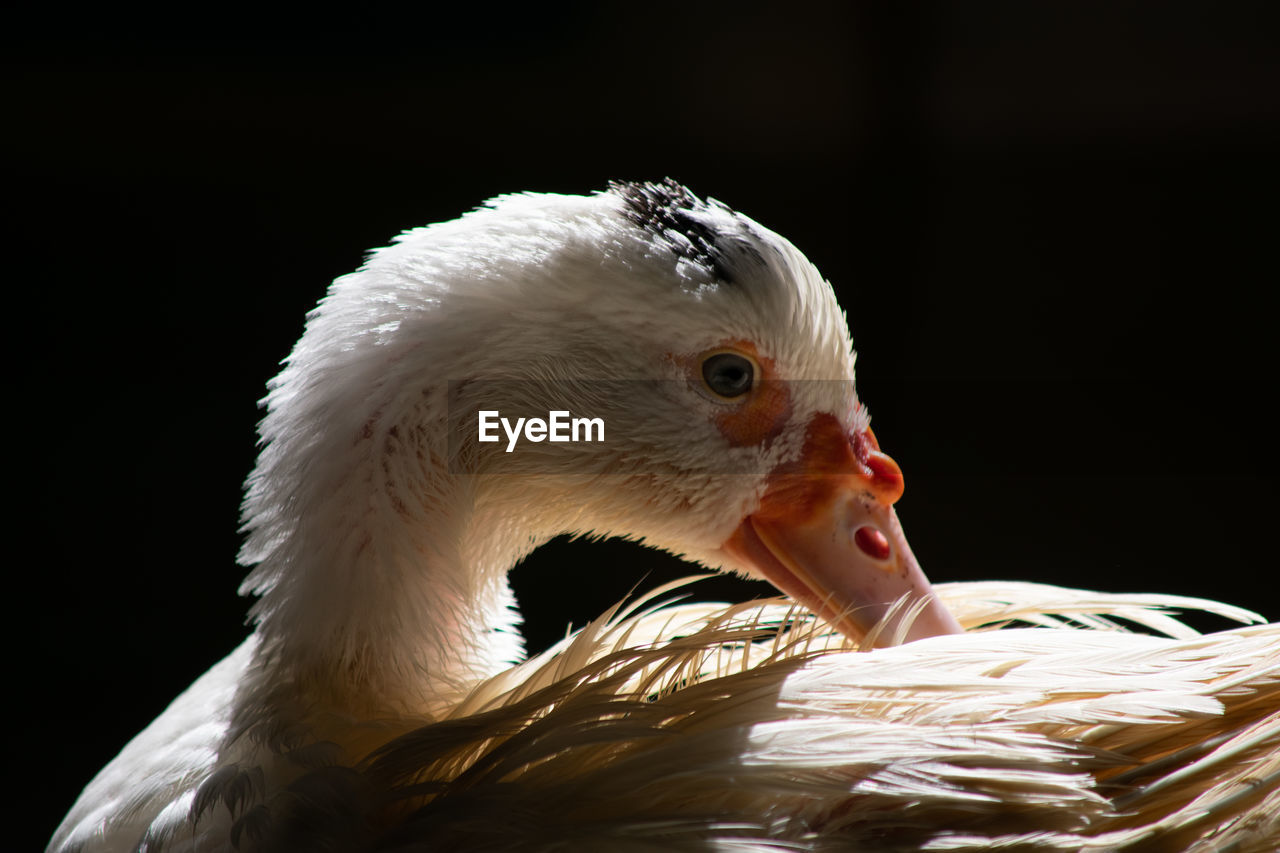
x: 1033, y: 738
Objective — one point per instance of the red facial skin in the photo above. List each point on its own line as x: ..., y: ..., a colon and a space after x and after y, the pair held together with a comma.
x: 826, y: 533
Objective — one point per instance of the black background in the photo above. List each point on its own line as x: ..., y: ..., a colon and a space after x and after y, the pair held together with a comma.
x: 1052, y: 226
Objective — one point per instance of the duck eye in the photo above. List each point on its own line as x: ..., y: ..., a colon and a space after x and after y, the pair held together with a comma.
x: 728, y: 374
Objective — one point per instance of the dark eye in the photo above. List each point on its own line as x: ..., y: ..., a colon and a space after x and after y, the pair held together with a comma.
x: 728, y: 374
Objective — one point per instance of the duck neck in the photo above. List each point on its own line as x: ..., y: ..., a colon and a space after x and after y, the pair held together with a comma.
x: 383, y: 583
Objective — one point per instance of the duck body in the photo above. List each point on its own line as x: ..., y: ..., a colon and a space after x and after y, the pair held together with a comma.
x: 381, y: 701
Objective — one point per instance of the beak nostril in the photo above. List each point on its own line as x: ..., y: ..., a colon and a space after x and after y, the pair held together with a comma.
x: 872, y: 543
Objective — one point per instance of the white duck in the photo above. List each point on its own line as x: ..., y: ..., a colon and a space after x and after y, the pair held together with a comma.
x: 376, y: 705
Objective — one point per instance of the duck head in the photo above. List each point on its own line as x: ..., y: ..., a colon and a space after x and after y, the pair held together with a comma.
x: 713, y: 354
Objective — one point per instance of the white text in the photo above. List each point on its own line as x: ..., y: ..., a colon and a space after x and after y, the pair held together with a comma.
x: 557, y: 427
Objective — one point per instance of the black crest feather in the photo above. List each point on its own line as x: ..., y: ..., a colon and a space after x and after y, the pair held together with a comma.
x: 666, y: 210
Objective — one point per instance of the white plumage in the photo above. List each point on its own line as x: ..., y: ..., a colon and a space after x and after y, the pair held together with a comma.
x: 376, y: 706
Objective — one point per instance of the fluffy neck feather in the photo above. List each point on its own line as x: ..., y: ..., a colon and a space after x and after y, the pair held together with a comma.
x: 377, y: 591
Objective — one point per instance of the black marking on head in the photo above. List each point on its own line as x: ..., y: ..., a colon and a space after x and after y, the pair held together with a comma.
x: 665, y: 210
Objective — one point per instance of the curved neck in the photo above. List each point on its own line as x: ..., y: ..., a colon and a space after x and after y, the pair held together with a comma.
x: 378, y: 593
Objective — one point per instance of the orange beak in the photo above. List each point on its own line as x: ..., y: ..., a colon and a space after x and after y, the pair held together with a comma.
x: 826, y: 534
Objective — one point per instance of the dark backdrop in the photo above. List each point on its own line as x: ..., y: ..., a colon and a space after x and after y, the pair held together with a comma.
x: 1052, y: 226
